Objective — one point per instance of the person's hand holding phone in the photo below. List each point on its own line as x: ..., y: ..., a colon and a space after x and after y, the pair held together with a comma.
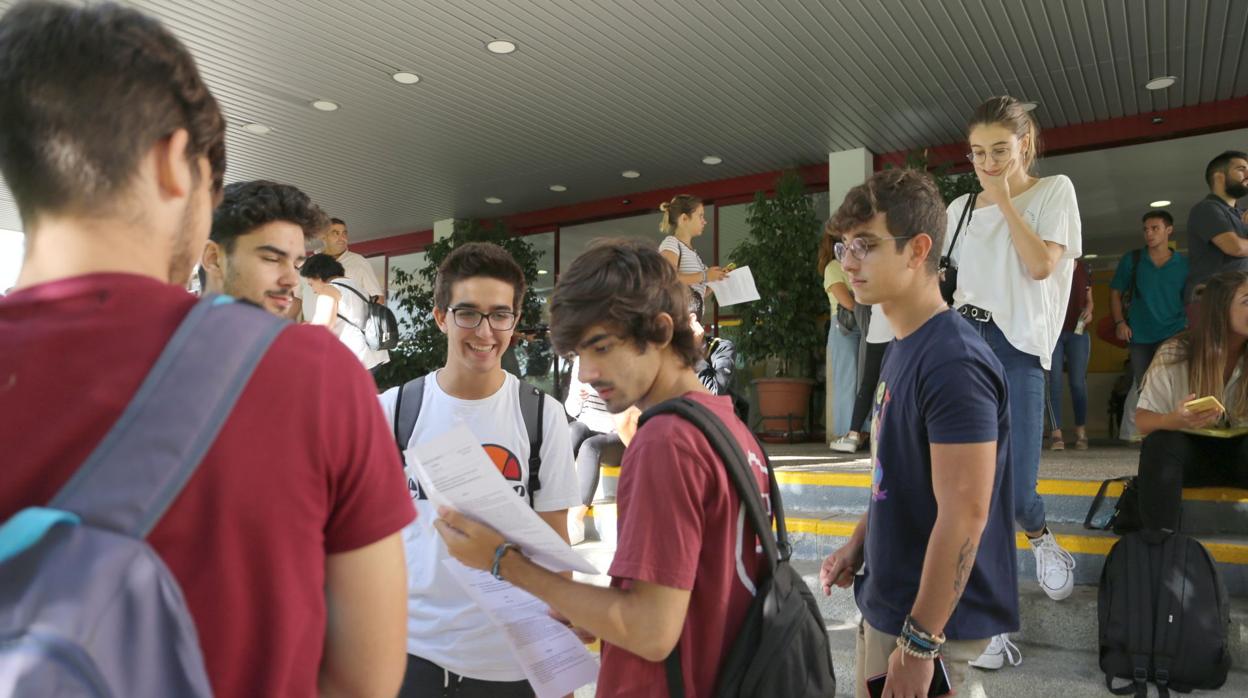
x: 838, y: 569
x: 908, y: 677
x: 716, y: 274
x: 1198, y: 418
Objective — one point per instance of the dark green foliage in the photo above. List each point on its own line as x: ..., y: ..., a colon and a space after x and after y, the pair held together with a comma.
x: 781, y: 251
x: 951, y: 185
x: 422, y: 346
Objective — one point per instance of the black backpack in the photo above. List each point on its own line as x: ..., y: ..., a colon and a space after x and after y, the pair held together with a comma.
x: 782, y: 647
x: 380, y: 328
x: 1163, y: 616
x: 1126, y: 514
x: 532, y: 408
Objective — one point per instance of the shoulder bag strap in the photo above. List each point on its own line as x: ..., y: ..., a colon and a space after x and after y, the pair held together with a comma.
x: 964, y: 221
x: 142, y: 464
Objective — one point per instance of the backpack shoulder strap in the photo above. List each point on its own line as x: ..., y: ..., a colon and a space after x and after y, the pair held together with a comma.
x: 142, y: 464
x: 1166, y: 635
x: 1135, y: 269
x: 407, y: 411
x: 367, y: 301
x: 533, y: 409
x: 1139, y: 603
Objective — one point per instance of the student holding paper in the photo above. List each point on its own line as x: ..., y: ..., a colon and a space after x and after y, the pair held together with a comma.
x: 451, y: 641
x: 684, y: 218
x: 687, y: 564
x: 1193, y: 446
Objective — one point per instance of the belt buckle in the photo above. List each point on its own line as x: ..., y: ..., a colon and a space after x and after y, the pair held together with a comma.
x: 975, y: 313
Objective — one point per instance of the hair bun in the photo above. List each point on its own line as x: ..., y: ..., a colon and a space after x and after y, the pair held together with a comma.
x: 664, y: 206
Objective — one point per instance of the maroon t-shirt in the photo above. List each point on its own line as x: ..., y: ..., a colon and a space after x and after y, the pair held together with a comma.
x: 304, y: 466
x: 1079, y: 284
x: 679, y: 526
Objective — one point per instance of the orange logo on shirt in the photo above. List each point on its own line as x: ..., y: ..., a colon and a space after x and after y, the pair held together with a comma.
x: 505, y: 461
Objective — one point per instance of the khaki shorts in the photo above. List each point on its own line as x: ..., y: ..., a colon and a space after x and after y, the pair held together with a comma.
x: 875, y: 647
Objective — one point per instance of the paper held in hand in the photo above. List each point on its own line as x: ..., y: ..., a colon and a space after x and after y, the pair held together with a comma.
x: 738, y: 287
x: 455, y: 472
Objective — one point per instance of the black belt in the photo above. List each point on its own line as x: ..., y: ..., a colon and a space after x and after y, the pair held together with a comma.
x: 975, y: 313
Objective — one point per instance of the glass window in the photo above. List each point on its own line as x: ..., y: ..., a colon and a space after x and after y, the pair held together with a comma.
x: 412, y: 264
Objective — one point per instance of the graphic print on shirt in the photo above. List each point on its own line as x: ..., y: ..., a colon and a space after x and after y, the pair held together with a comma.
x: 882, y: 398
x: 506, y: 462
x: 756, y: 463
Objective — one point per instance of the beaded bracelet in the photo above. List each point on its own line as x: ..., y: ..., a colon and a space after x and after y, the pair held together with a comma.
x: 908, y: 649
x: 499, y: 552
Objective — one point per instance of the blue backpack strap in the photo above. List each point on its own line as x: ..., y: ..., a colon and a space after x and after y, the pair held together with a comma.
x: 532, y: 409
x: 140, y: 467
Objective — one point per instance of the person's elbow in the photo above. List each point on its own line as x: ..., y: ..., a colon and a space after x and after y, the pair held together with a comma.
x: 655, y: 647
x: 377, y: 680
x: 1042, y: 271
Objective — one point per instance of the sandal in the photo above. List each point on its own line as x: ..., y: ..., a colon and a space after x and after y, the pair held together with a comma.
x: 1057, y: 444
x: 1081, y: 443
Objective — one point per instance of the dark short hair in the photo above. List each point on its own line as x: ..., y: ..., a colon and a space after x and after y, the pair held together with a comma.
x: 322, y: 267
x: 249, y: 205
x: 696, y: 305
x: 473, y: 259
x: 911, y: 205
x: 84, y: 93
x: 1221, y: 163
x: 626, y: 285
x: 1164, y: 216
x: 337, y: 221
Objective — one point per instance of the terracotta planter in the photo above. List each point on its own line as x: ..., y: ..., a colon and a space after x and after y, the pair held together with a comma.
x: 784, y: 404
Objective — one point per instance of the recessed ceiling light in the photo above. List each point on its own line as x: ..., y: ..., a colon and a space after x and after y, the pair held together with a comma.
x: 630, y: 174
x: 325, y: 105
x: 558, y: 187
x: 1028, y: 106
x: 542, y: 272
x: 1159, y: 203
x: 501, y: 47
x: 406, y: 78
x: 711, y: 160
x: 493, y: 200
x: 1161, y: 83
x: 258, y: 129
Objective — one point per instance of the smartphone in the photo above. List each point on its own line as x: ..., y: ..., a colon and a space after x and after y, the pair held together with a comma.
x: 939, y: 686
x: 731, y: 266
x: 1204, y: 404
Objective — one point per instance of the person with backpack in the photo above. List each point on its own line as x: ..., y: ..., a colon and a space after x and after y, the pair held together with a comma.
x: 936, y: 546
x: 689, y: 575
x: 1208, y: 360
x: 340, y: 306
x: 280, y: 506
x: 451, y: 641
x: 1146, y: 293
x: 256, y: 244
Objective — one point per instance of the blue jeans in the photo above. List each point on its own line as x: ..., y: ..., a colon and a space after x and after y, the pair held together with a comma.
x: 842, y: 372
x: 1024, y: 380
x: 1074, y: 348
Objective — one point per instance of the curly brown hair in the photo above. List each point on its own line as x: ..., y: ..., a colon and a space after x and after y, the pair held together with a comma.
x: 84, y: 93
x: 246, y: 206
x: 910, y: 202
x: 626, y: 285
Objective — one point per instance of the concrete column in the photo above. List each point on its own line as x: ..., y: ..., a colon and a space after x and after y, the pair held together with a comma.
x: 846, y: 170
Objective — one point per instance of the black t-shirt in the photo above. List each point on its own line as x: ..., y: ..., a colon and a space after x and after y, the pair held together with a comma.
x: 1209, y: 218
x: 942, y: 385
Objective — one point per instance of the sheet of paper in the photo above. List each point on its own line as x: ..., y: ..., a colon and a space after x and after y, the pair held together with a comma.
x: 738, y: 287
x: 554, y: 659
x: 455, y: 472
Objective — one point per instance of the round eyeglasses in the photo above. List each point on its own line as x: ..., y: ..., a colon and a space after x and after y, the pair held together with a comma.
x: 861, y: 247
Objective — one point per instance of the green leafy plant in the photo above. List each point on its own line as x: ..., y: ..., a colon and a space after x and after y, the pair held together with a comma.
x: 781, y: 250
x: 951, y: 185
x: 422, y: 346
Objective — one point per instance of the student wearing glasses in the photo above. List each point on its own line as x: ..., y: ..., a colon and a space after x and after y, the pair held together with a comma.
x: 450, y: 643
x: 1013, y: 260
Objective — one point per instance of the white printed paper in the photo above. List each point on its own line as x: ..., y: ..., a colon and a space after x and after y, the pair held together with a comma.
x: 454, y: 471
x: 554, y: 659
x: 737, y: 287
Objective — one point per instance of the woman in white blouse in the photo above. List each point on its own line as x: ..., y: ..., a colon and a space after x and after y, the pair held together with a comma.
x: 1196, y: 447
x: 1013, y: 257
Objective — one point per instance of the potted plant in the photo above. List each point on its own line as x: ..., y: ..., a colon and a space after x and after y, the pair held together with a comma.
x: 783, y: 325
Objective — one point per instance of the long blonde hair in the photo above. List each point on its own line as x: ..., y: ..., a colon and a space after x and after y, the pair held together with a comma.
x: 1204, y: 346
x: 680, y: 205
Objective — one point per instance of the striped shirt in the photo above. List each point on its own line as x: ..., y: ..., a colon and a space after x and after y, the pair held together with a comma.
x: 688, y: 260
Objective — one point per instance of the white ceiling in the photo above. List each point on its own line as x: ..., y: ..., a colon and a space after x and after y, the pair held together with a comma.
x: 601, y: 86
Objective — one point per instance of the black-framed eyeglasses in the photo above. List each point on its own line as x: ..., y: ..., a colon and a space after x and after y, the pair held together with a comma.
x: 860, y: 247
x: 470, y: 319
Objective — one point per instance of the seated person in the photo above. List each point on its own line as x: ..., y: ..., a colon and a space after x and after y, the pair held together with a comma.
x: 343, y: 313
x: 1206, y: 360
x: 593, y: 430
x: 719, y: 361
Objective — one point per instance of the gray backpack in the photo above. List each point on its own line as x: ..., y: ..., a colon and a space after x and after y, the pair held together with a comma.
x: 87, y: 608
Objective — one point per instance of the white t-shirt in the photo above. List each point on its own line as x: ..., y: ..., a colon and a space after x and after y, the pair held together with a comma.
x: 444, y: 626
x: 688, y: 260
x: 356, y: 268
x: 879, y: 331
x: 991, y: 275
x: 1165, y: 385
x: 351, y: 333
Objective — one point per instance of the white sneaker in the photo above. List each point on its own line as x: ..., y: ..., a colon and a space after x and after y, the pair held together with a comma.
x: 1000, y: 650
x: 1055, y: 568
x: 846, y: 444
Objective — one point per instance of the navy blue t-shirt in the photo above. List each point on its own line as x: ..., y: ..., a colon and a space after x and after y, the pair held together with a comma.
x: 940, y: 385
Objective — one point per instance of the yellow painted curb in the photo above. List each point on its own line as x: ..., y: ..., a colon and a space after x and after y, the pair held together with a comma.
x: 1065, y: 488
